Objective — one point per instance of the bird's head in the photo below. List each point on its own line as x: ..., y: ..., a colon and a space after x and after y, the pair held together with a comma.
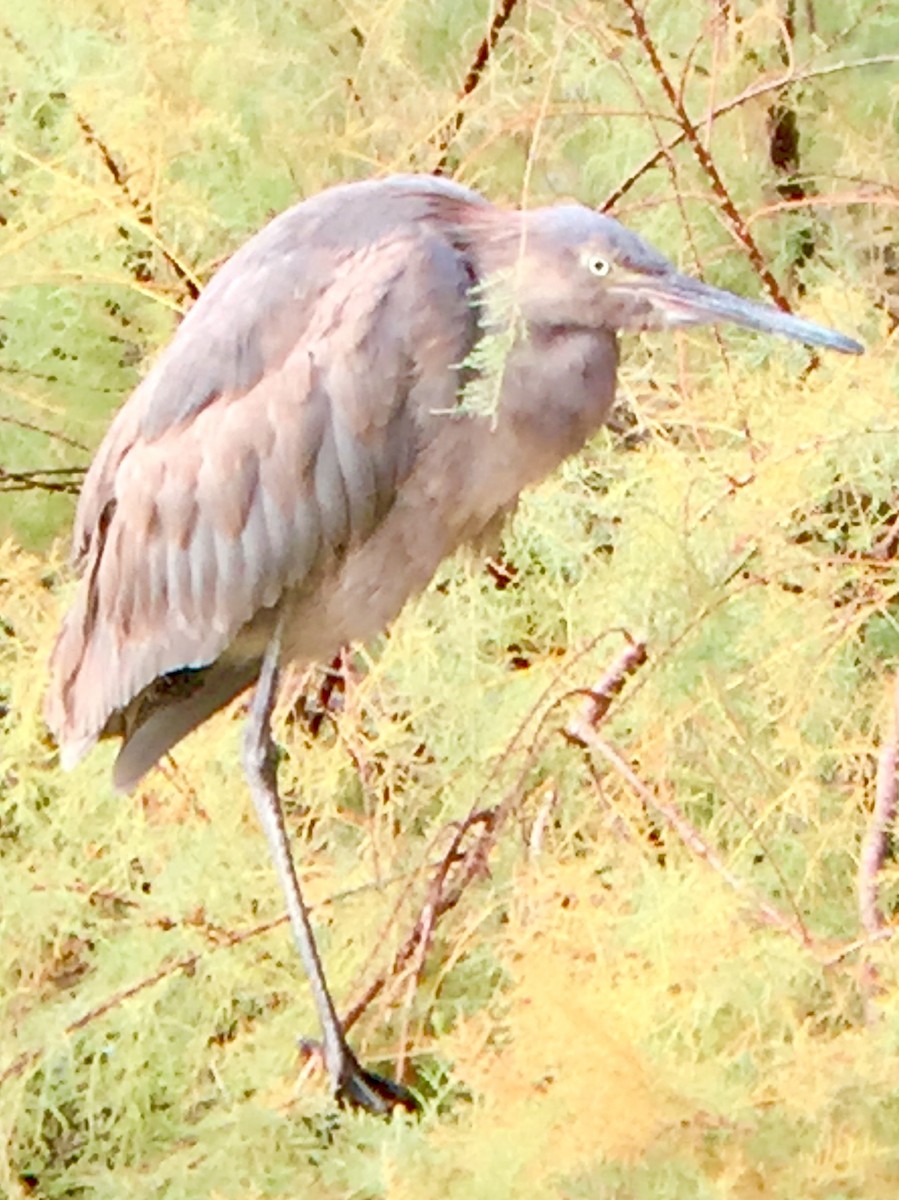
x: 576, y: 267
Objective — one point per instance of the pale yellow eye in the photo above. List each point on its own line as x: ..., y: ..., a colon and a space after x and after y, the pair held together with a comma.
x: 597, y: 265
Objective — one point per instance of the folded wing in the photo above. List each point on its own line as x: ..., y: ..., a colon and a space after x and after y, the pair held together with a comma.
x: 271, y: 438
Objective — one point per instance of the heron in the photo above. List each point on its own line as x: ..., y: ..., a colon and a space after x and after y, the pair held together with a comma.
x: 302, y: 456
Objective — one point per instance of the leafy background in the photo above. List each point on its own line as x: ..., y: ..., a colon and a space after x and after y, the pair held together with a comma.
x: 658, y: 983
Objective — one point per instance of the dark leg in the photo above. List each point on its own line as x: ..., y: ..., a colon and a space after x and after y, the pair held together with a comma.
x: 352, y: 1084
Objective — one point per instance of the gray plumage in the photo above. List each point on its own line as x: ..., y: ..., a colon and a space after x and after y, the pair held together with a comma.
x: 301, y: 459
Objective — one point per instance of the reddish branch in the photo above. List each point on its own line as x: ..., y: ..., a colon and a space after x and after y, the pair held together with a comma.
x: 466, y: 858
x: 766, y: 88
x: 472, y: 79
x: 728, y: 207
x: 142, y: 211
x: 459, y: 866
x: 601, y: 695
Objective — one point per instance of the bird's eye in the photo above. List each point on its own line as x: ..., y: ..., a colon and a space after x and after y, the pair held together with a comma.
x: 597, y: 265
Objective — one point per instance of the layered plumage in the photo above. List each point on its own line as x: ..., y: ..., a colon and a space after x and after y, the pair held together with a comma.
x: 302, y: 448
x: 315, y: 441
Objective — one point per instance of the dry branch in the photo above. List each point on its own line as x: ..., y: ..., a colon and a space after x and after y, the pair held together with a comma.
x: 57, y: 479
x: 766, y: 88
x: 478, y: 66
x: 186, y: 963
x: 582, y: 732
x: 693, y: 839
x: 600, y: 696
x: 876, y: 842
x: 33, y: 427
x: 142, y: 210
x: 706, y: 162
x: 462, y: 864
x: 449, y: 879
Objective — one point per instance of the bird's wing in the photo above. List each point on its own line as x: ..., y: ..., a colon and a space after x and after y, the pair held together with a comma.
x: 253, y: 456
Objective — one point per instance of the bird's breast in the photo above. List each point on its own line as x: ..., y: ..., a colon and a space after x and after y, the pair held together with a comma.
x: 558, y: 387
x: 556, y: 392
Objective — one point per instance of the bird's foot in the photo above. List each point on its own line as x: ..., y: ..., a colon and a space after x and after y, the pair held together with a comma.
x: 354, y: 1087
x: 373, y: 1093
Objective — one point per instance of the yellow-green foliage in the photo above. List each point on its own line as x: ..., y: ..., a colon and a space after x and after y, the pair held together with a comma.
x: 600, y: 1016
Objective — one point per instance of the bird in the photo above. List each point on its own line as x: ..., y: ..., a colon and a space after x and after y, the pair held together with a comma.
x: 315, y: 440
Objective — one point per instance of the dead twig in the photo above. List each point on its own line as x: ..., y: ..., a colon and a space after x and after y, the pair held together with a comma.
x: 882, y: 195
x: 745, y: 97
x: 142, y: 210
x: 462, y: 863
x: 691, y: 837
x: 600, y: 696
x: 706, y: 162
x: 548, y: 804
x: 838, y: 956
x: 472, y: 79
x: 56, y: 479
x: 449, y: 879
x: 186, y: 963
x: 33, y: 427
x: 875, y: 844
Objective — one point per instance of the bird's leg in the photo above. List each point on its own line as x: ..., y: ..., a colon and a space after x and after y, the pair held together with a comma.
x: 352, y: 1084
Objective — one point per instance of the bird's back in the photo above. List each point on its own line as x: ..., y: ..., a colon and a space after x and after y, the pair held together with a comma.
x: 300, y: 449
x: 271, y: 435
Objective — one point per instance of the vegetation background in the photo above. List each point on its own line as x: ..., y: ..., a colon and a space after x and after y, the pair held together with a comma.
x: 669, y: 972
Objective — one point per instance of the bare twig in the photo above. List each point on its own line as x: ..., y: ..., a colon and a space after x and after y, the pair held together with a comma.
x: 725, y: 200
x: 885, y: 546
x: 472, y: 79
x: 462, y: 863
x: 541, y: 820
x: 882, y: 195
x: 33, y: 427
x: 57, y: 479
x: 142, y: 210
x: 438, y: 902
x: 692, y: 838
x: 543, y: 708
x: 875, y: 845
x: 444, y: 892
x: 186, y: 963
x: 414, y: 974
x: 751, y: 93
x: 359, y: 38
x: 600, y: 696
x: 838, y: 956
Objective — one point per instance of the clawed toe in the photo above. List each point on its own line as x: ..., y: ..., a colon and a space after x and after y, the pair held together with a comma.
x: 355, y: 1087
x: 373, y: 1093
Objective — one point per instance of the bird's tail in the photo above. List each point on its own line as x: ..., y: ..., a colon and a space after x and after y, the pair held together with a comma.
x: 171, y: 708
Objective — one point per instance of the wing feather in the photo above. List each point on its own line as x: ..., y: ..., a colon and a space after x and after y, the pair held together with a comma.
x: 252, y: 459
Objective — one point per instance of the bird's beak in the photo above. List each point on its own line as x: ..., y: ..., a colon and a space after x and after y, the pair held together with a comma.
x: 680, y: 300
